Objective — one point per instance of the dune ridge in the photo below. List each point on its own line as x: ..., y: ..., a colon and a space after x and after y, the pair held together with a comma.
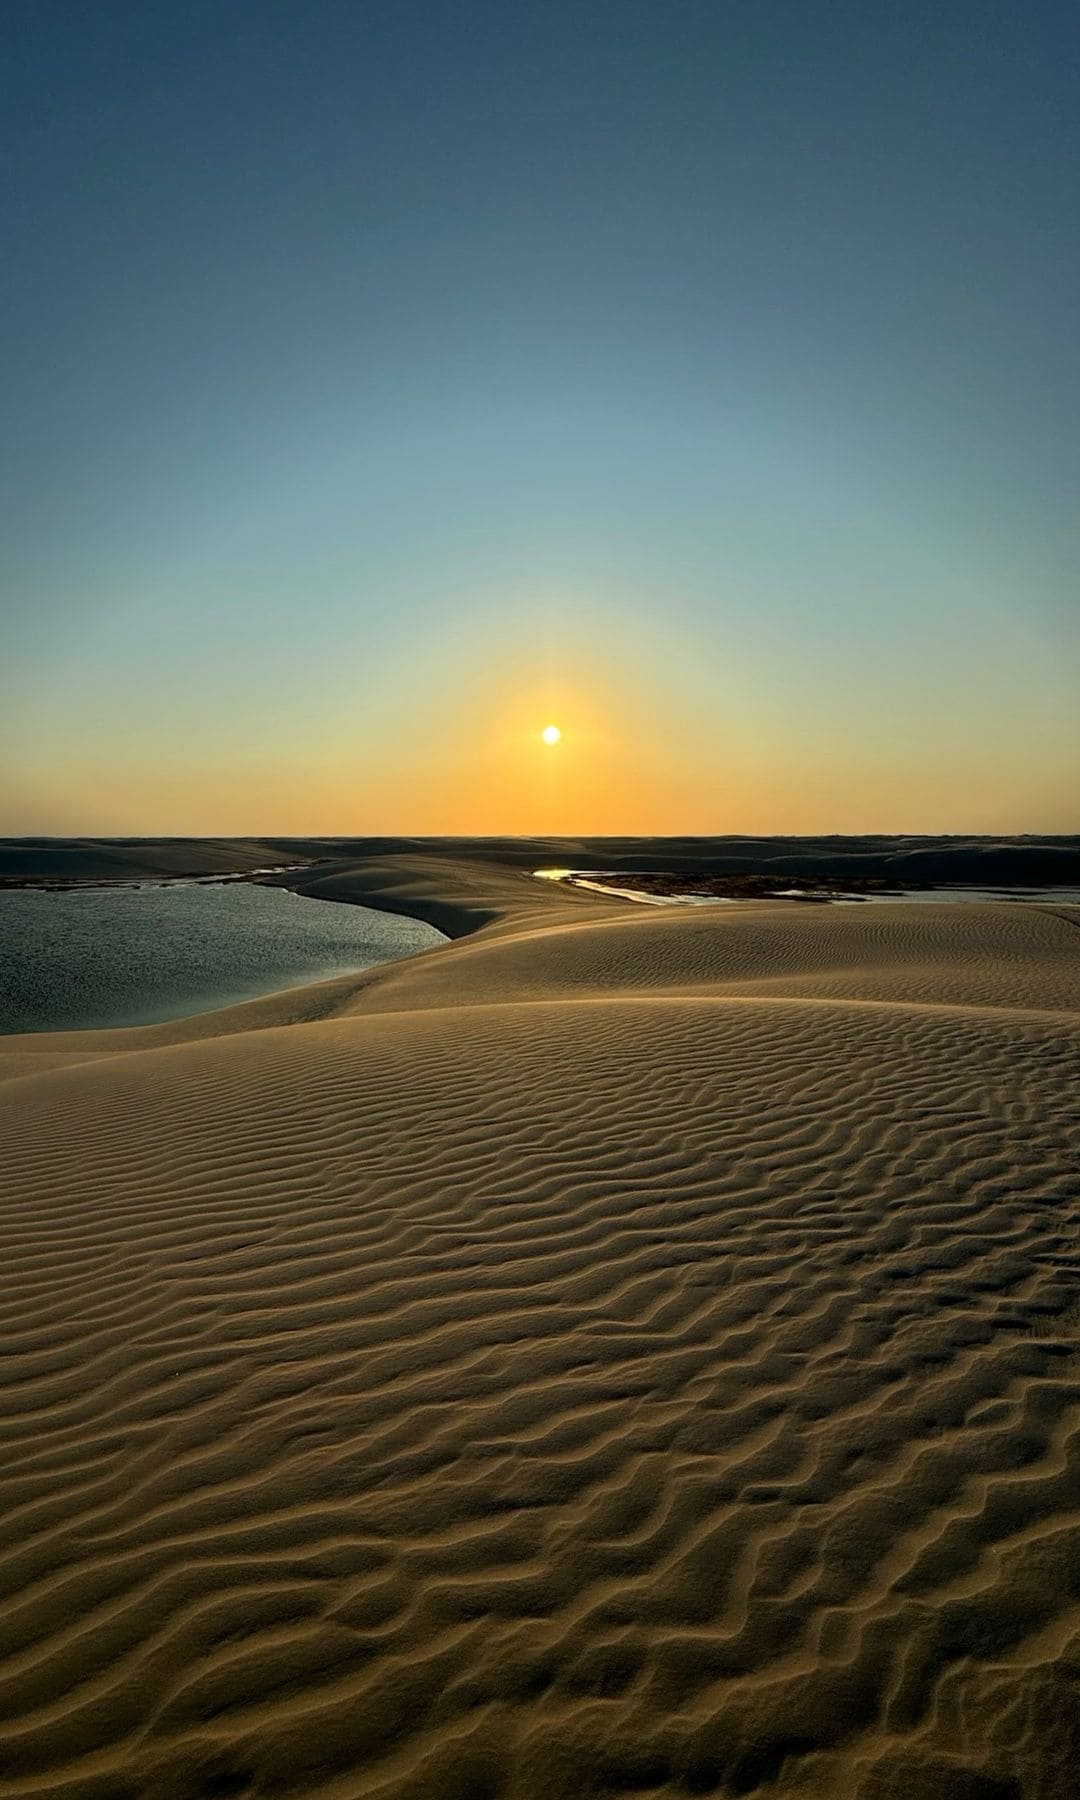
x: 624, y: 1351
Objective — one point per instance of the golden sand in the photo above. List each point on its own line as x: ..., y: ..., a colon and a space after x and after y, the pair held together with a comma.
x: 626, y: 1351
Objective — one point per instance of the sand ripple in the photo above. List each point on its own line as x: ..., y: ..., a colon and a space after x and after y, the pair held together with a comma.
x: 652, y: 1382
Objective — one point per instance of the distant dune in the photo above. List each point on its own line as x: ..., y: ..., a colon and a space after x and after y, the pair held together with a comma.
x: 626, y: 1351
x: 130, y: 859
x: 972, y: 860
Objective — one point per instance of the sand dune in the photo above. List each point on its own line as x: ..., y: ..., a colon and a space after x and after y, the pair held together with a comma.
x: 625, y: 1351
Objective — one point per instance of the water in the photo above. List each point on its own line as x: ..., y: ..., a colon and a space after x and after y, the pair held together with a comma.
x: 603, y: 887
x: 968, y: 896
x: 95, y: 957
x: 1046, y: 896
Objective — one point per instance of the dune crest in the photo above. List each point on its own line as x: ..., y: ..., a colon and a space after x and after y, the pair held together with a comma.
x: 622, y: 1352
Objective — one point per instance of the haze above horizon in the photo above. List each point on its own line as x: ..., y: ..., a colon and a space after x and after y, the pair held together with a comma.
x: 388, y: 383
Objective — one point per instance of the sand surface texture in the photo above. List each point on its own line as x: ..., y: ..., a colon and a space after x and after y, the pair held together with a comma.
x: 624, y: 1352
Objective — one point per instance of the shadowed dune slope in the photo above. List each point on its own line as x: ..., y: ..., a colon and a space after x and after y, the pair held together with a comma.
x: 625, y: 1352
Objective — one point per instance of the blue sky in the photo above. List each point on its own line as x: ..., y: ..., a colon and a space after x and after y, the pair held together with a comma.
x: 380, y: 377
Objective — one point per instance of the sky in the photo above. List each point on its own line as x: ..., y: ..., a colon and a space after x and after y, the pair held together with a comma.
x: 383, y: 382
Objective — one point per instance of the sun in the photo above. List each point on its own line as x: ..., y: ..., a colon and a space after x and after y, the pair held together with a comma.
x: 551, y: 734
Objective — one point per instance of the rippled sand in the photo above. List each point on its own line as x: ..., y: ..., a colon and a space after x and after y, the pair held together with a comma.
x: 626, y: 1351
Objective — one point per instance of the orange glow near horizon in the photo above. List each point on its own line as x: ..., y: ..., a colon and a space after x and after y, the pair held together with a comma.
x: 649, y: 743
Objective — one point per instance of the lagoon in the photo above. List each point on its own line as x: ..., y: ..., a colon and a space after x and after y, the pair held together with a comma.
x: 136, y: 955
